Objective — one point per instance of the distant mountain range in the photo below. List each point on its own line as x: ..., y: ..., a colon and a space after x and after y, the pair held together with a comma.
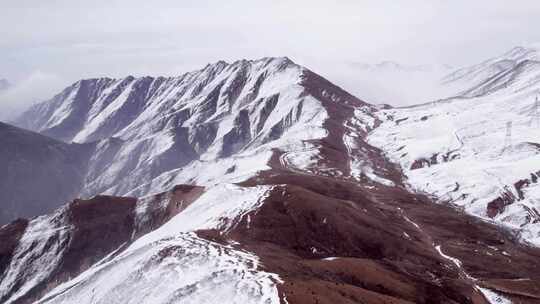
x: 392, y: 66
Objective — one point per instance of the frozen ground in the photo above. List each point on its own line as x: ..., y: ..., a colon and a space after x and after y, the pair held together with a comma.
x: 458, y: 149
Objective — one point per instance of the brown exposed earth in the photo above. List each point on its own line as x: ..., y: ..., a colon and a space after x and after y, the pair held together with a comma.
x: 335, y: 240
x: 309, y: 220
x: 97, y: 227
x: 331, y: 241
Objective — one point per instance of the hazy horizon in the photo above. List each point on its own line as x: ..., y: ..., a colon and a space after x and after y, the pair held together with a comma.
x: 55, y: 43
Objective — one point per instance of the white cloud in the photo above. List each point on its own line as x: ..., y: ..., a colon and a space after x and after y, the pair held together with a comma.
x: 115, y: 38
x: 38, y: 86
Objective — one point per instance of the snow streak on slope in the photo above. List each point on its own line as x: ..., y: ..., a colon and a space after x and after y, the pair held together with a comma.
x: 493, y: 297
x: 227, y: 170
x: 173, y: 265
x: 178, y: 269
x: 458, y: 149
x: 365, y: 164
x: 211, y: 169
x: 221, y: 207
x: 468, y: 80
x: 38, y: 254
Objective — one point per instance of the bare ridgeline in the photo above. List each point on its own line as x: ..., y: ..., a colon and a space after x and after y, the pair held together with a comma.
x: 262, y: 182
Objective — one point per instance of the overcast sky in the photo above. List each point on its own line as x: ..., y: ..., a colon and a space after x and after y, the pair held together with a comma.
x: 51, y: 43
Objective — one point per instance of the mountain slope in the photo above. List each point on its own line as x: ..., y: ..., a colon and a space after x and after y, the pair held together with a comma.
x: 164, y: 128
x: 280, y: 237
x: 495, y: 73
x: 39, y: 173
x: 96, y: 109
x: 292, y: 204
x: 458, y: 149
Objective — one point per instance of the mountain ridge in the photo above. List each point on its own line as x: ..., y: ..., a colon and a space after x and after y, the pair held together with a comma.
x: 155, y: 129
x: 291, y: 186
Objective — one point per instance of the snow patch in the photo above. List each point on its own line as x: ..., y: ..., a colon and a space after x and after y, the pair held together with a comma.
x: 178, y: 269
x: 493, y: 297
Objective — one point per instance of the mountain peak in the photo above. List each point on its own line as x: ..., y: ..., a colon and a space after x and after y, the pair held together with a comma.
x: 210, y: 114
x: 522, y: 53
x: 272, y: 64
x: 267, y: 60
x: 514, y: 71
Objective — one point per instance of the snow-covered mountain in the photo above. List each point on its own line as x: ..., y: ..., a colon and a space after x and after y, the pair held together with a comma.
x: 255, y: 182
x: 84, y: 233
x: 398, y: 84
x: 461, y: 149
x: 519, y: 65
x: 153, y: 133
